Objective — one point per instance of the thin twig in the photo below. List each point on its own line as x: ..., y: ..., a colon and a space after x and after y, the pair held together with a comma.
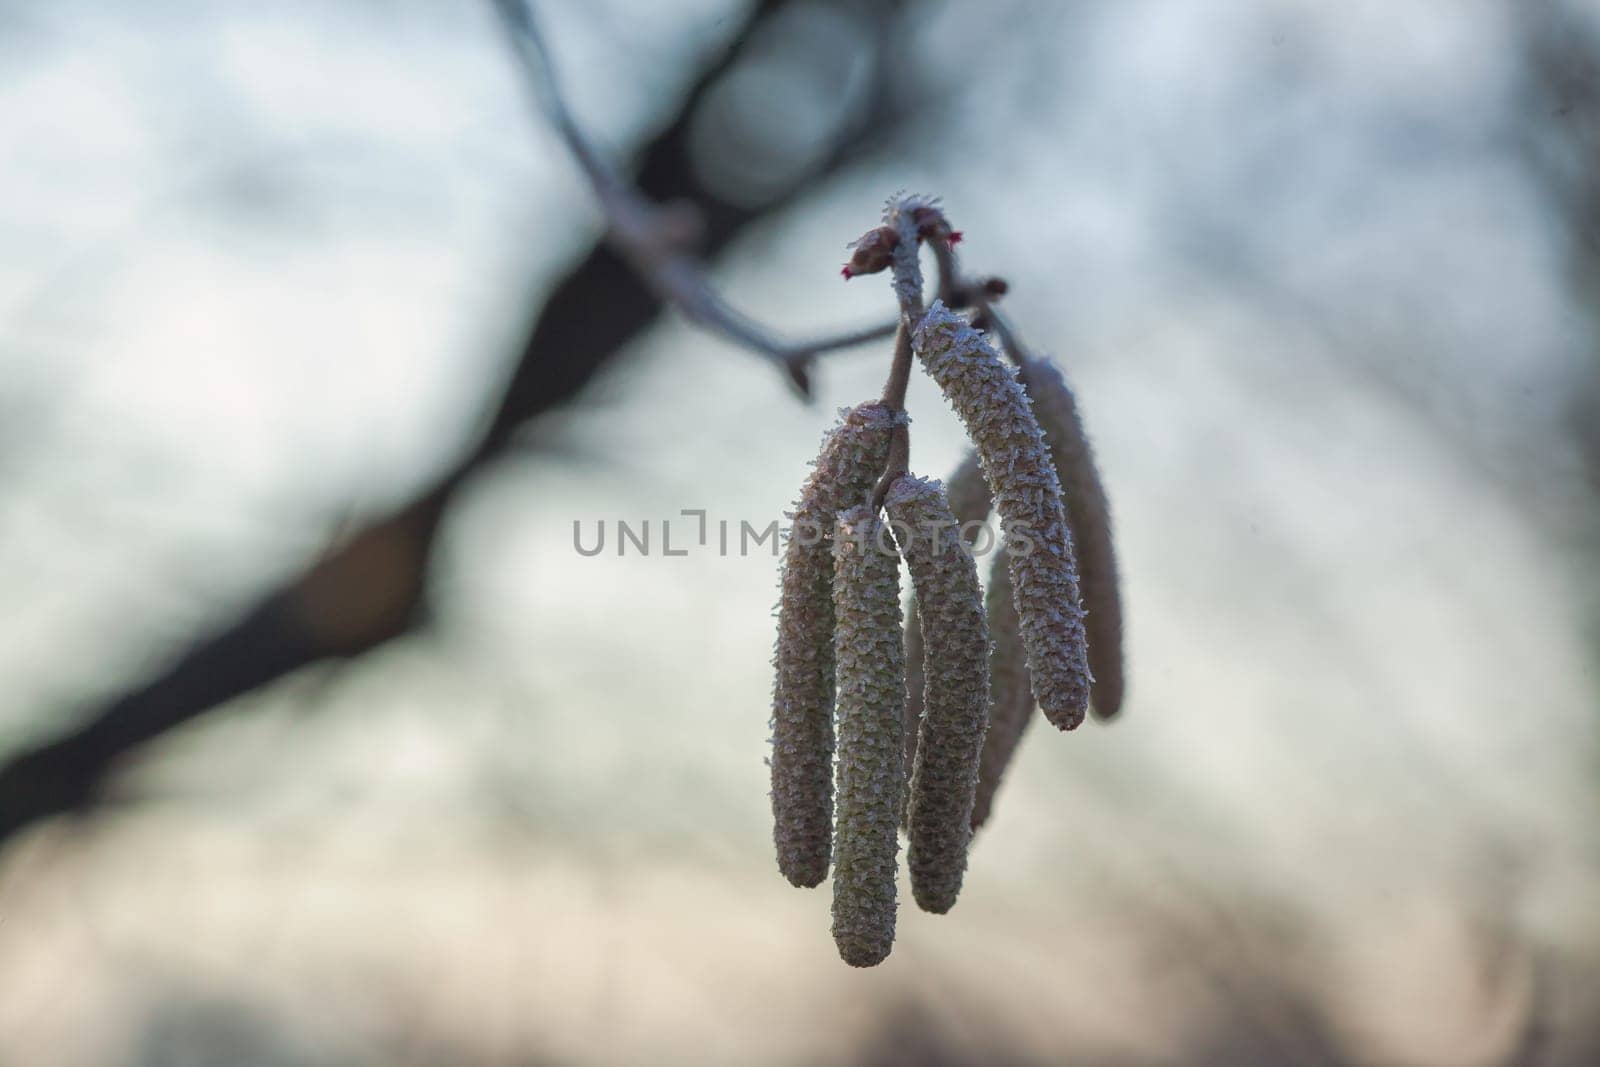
x: 894, y: 389
x: 1010, y: 343
x: 654, y: 238
x: 894, y: 398
x: 908, y: 291
x: 949, y: 277
x: 958, y: 291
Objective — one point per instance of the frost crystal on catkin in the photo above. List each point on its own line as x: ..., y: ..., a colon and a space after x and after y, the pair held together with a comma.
x: 968, y: 495
x: 899, y: 214
x: 1089, y: 515
x: 1010, y: 691
x: 871, y: 700
x: 956, y: 639
x: 1027, y: 494
x: 853, y: 455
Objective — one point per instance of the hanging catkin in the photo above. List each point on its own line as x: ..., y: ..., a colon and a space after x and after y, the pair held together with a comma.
x: 871, y: 699
x: 916, y: 682
x: 1010, y: 690
x: 956, y: 639
x: 852, y: 457
x: 968, y: 494
x: 1089, y: 515
x: 1027, y: 494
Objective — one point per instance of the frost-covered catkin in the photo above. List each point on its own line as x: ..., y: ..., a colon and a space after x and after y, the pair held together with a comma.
x: 852, y: 458
x: 956, y: 639
x: 1010, y: 691
x: 871, y: 698
x: 1027, y: 494
x: 1089, y: 515
x: 968, y: 495
x: 916, y: 682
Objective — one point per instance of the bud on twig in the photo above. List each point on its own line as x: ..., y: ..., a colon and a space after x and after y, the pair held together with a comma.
x: 956, y: 699
x: 871, y: 697
x: 1027, y: 493
x: 852, y: 457
x: 871, y: 252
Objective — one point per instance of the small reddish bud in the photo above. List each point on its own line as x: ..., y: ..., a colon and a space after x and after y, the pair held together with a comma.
x: 846, y: 273
x: 955, y: 237
x: 873, y: 252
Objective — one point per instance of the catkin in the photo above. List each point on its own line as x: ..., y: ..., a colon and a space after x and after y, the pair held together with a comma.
x: 956, y: 639
x: 871, y: 699
x: 1016, y: 463
x: 968, y: 494
x: 852, y: 457
x: 1089, y: 515
x: 916, y: 682
x: 1010, y: 691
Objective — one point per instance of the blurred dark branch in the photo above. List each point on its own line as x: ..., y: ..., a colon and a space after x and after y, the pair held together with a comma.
x: 370, y: 588
x: 1557, y: 129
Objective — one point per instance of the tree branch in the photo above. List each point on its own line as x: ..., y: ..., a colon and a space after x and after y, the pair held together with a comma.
x: 370, y: 588
x: 655, y: 239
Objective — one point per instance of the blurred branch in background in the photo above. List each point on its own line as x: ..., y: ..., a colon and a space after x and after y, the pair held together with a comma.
x: 370, y: 588
x: 658, y: 240
x: 1558, y: 127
